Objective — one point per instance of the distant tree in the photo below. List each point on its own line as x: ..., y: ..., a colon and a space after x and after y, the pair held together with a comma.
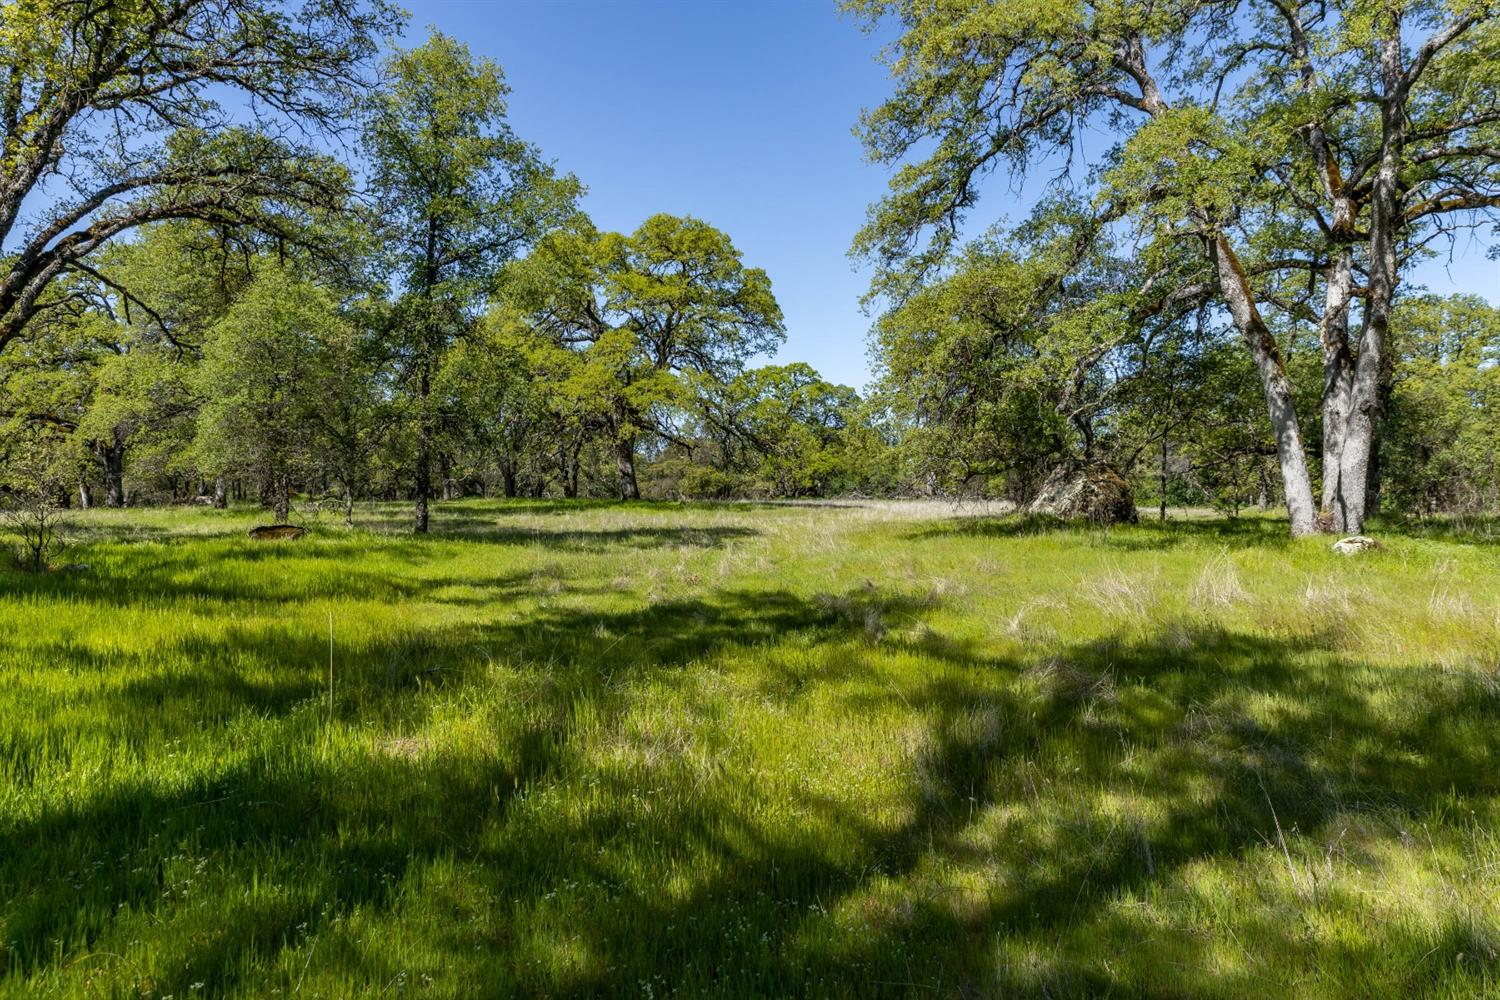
x: 1441, y: 449
x: 672, y: 298
x: 182, y: 277
x: 1021, y: 353
x: 265, y: 379
x: 131, y: 113
x: 460, y: 195
x: 781, y: 425
x: 490, y: 399
x: 352, y: 418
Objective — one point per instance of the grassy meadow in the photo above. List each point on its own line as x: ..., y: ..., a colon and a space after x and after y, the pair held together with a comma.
x: 858, y: 749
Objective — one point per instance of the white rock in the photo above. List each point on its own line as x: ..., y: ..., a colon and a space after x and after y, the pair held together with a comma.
x: 1355, y: 544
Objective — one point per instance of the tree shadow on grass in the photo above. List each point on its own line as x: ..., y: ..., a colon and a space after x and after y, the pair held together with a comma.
x: 1066, y: 789
x: 1473, y: 529
x: 164, y: 575
x: 1168, y: 724
x: 337, y: 837
x: 1148, y: 535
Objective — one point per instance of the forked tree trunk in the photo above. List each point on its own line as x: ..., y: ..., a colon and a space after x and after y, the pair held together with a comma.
x: 221, y: 494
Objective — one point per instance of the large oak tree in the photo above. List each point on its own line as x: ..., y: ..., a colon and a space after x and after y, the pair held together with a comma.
x: 672, y: 298
x: 1294, y: 145
x: 114, y: 115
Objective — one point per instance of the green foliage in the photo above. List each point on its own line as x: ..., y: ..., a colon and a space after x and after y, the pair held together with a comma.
x: 459, y: 192
x: 132, y: 103
x: 34, y: 483
x: 782, y: 428
x: 269, y: 368
x: 646, y: 311
x: 493, y: 401
x: 1440, y: 450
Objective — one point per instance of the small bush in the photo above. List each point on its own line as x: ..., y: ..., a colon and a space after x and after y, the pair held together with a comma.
x: 30, y: 507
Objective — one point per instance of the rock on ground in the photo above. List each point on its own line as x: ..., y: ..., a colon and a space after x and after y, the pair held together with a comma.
x: 1096, y: 493
x: 1355, y: 544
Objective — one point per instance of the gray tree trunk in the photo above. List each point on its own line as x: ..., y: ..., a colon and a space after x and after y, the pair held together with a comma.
x: 1364, y: 403
x: 1296, y: 482
x: 1338, y: 376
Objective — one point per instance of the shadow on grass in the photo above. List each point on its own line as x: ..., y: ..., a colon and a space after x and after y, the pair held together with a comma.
x: 1474, y: 529
x: 1215, y: 742
x: 1148, y: 535
x: 168, y: 574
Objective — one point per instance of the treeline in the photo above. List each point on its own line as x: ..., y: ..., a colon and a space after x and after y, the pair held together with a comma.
x: 232, y: 372
x: 1010, y: 364
x: 456, y: 326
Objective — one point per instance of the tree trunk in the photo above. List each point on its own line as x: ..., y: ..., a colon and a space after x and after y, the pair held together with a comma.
x: 568, y: 469
x: 221, y: 493
x: 1290, y: 454
x: 1364, y: 404
x: 570, y: 479
x: 1162, y: 480
x: 348, y: 506
x: 1338, y: 377
x: 508, y: 478
x: 112, y: 456
x: 625, y: 462
x: 424, y: 451
x: 282, y: 498
x: 85, y: 495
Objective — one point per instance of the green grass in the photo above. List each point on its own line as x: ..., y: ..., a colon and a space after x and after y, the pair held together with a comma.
x: 858, y: 749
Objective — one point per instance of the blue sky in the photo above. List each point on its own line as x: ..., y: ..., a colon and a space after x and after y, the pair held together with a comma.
x: 740, y: 113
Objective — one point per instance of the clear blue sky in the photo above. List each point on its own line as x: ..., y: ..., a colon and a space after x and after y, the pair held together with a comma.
x: 740, y: 113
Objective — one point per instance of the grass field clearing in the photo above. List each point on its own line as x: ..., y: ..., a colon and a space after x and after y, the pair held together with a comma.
x: 748, y: 749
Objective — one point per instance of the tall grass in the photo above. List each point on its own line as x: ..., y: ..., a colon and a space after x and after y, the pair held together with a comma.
x: 776, y: 750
